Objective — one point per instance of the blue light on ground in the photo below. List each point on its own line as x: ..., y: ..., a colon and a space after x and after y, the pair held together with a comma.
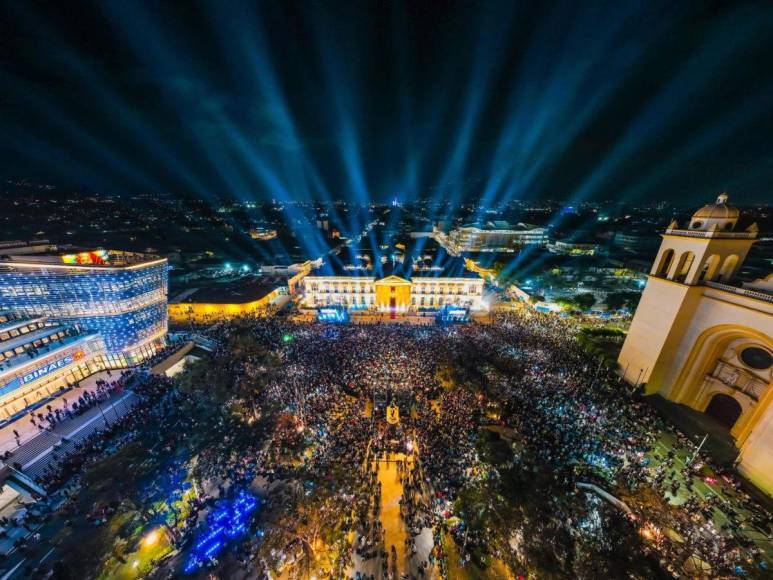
x: 227, y: 522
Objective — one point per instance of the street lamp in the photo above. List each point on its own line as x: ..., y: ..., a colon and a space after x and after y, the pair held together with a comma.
x: 150, y: 539
x: 107, y: 423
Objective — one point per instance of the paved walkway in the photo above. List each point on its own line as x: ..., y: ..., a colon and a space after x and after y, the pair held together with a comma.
x: 719, y: 443
x: 27, y: 430
x: 47, y: 447
x: 706, y: 484
x: 395, y: 532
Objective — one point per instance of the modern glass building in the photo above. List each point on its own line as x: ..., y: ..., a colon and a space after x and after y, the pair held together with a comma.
x: 120, y: 295
x: 40, y: 358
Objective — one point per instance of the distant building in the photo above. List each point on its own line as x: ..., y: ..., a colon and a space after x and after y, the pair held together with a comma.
x: 395, y: 281
x: 263, y: 234
x: 493, y: 236
x: 294, y: 272
x: 573, y: 248
x: 19, y: 247
x: 423, y: 231
x: 210, y: 303
x: 701, y: 339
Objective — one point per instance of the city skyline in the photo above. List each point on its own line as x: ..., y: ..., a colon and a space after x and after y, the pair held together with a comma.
x: 386, y: 290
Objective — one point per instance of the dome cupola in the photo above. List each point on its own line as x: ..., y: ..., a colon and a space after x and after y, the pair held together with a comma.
x: 715, y: 216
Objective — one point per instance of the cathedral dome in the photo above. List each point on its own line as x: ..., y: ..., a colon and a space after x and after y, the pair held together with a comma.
x: 720, y: 213
x: 720, y: 209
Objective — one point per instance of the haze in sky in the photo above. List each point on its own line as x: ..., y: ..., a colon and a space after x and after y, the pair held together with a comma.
x: 375, y: 100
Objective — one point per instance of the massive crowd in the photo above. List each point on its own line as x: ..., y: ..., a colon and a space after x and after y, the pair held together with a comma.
x: 571, y: 414
x: 328, y: 387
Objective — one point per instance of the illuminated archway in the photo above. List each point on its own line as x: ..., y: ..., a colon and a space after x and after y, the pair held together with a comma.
x: 709, y: 269
x: 708, y: 349
x: 724, y: 409
x: 683, y: 266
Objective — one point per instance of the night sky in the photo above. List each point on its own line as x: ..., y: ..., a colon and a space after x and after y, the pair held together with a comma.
x: 370, y: 101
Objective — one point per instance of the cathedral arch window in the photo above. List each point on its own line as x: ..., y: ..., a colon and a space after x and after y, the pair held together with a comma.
x: 709, y: 269
x: 728, y: 268
x: 683, y: 266
x: 665, y: 263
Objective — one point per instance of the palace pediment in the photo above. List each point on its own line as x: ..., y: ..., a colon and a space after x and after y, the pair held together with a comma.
x: 392, y: 281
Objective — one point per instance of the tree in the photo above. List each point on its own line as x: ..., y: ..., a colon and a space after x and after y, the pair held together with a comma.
x: 585, y: 301
x: 619, y: 300
x: 311, y: 523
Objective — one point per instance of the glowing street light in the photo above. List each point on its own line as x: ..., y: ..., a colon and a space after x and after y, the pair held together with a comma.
x: 150, y: 539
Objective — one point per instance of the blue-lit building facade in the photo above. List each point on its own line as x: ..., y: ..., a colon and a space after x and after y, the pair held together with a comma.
x: 121, y: 296
x: 64, y: 317
x: 39, y: 358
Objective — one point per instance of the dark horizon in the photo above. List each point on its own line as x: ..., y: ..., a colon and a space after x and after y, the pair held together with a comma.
x: 368, y: 103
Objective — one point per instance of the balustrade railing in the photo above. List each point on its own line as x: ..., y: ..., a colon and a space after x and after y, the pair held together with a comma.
x: 711, y: 234
x: 741, y: 291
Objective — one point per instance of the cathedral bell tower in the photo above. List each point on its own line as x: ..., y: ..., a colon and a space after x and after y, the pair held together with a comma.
x: 709, y: 250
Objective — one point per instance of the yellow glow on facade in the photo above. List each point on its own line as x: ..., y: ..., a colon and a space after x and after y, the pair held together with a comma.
x: 210, y: 312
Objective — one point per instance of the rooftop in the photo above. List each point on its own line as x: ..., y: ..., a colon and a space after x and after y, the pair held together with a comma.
x: 240, y: 291
x: 78, y: 257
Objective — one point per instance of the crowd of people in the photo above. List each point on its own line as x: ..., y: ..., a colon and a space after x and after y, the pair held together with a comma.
x: 71, y: 458
x: 317, y: 397
x: 571, y: 414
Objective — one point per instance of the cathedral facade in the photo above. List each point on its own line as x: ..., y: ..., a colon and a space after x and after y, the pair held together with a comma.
x: 701, y: 338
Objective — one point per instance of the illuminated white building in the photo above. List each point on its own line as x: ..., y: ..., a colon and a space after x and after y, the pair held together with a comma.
x: 495, y: 236
x: 426, y: 278
x: 393, y: 293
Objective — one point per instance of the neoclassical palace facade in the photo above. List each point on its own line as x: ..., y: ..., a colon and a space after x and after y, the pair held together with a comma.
x: 393, y: 293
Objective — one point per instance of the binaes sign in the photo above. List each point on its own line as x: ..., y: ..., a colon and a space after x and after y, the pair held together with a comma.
x: 41, y: 372
x: 52, y: 367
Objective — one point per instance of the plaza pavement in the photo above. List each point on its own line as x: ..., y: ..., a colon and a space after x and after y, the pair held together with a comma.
x: 395, y: 530
x: 24, y: 426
